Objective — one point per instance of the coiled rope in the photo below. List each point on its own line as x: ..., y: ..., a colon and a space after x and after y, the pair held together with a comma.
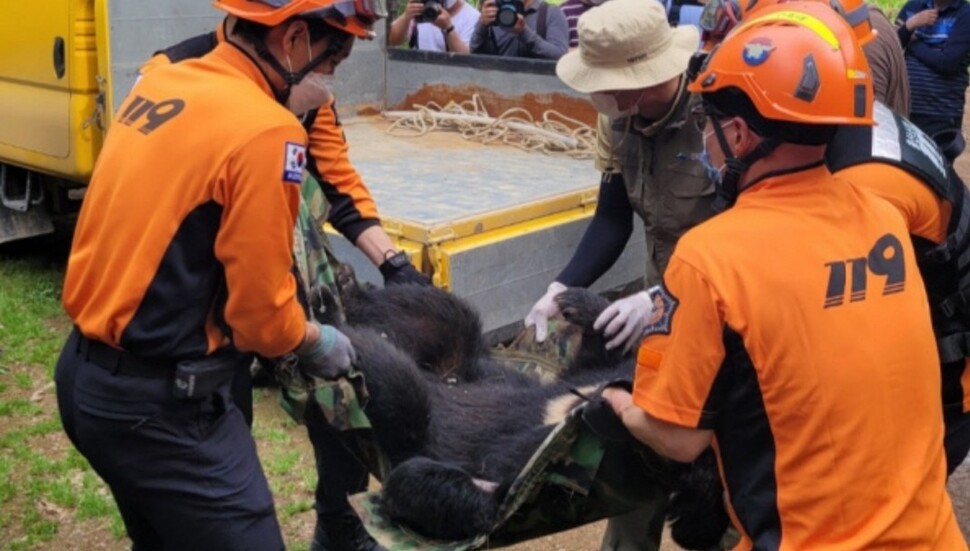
x: 554, y: 134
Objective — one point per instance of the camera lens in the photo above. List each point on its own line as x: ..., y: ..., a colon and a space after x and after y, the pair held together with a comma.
x: 507, y: 15
x: 432, y: 10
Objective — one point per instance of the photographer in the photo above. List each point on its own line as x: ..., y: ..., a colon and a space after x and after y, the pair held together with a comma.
x: 427, y: 25
x: 517, y: 28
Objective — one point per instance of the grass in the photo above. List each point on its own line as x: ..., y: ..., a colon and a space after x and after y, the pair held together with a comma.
x: 48, y: 492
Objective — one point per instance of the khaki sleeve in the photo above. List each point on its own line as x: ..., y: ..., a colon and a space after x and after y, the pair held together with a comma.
x: 605, y: 156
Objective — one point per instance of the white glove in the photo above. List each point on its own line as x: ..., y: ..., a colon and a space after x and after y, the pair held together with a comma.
x: 624, y: 320
x: 331, y: 356
x: 544, y: 309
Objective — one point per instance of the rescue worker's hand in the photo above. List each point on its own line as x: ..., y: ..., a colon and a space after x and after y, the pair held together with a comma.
x: 489, y: 13
x: 544, y: 309
x: 405, y: 275
x: 623, y: 321
x: 398, y: 270
x: 329, y: 356
x: 619, y: 399
x: 922, y: 19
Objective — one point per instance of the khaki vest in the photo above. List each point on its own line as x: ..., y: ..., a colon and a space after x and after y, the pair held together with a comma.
x: 667, y: 185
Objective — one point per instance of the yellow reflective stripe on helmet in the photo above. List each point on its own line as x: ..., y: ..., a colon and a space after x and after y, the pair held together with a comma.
x: 802, y: 19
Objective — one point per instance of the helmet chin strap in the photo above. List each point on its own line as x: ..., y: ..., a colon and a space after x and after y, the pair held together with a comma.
x: 292, y: 77
x: 727, y: 189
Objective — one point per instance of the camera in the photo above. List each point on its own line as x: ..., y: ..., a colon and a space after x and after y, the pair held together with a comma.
x: 432, y: 9
x: 508, y: 12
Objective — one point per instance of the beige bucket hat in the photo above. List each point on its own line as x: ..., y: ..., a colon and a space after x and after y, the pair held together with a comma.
x: 626, y: 45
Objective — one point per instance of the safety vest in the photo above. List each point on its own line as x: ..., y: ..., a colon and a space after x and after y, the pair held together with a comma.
x: 945, y: 266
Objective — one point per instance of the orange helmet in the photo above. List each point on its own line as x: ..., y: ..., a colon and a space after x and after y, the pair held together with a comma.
x: 796, y: 62
x: 720, y: 16
x: 356, y: 17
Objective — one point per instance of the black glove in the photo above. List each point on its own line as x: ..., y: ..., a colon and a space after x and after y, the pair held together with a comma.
x: 603, y: 421
x: 398, y: 270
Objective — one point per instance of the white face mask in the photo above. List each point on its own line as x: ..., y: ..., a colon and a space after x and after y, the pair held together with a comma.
x: 313, y: 91
x: 606, y: 104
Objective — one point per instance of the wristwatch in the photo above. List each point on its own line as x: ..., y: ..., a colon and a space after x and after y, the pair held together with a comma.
x: 396, y: 261
x: 448, y: 30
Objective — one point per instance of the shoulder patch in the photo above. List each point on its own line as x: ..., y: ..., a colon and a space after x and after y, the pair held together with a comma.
x: 294, y: 161
x: 664, y: 306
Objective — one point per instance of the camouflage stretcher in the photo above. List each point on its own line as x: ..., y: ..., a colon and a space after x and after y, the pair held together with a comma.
x: 573, y: 478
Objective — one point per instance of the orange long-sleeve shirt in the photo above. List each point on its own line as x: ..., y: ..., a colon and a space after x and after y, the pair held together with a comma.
x: 186, y: 232
x: 796, y: 327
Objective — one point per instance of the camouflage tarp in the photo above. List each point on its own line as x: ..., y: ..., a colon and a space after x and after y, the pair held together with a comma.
x: 542, y: 360
x: 572, y: 479
x: 316, y: 265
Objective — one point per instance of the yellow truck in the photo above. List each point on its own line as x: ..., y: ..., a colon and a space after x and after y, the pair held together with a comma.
x: 62, y: 65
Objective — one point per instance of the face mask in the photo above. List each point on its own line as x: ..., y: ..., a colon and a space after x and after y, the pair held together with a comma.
x: 713, y: 173
x: 313, y: 91
x: 607, y: 105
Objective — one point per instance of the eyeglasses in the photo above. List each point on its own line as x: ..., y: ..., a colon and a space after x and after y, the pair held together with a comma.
x: 701, y: 113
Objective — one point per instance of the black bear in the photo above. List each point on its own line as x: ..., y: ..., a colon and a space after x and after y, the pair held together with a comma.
x: 456, y: 425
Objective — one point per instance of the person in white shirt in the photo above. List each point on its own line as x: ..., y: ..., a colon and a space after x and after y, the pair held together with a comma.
x: 451, y: 31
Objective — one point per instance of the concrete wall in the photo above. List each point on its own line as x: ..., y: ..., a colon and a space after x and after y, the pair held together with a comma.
x: 141, y: 27
x: 372, y: 79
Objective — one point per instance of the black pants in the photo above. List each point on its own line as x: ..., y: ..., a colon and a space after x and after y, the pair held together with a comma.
x: 339, y: 473
x: 184, y: 474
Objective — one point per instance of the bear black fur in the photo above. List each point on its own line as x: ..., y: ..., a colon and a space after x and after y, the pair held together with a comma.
x: 445, y: 413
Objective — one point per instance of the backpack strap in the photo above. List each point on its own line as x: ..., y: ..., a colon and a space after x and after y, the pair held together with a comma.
x: 413, y: 42
x: 190, y: 48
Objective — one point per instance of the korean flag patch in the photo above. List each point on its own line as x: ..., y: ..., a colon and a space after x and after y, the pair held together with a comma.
x: 664, y: 306
x: 294, y: 162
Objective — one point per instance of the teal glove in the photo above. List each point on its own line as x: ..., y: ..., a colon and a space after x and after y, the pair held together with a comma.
x: 330, y: 357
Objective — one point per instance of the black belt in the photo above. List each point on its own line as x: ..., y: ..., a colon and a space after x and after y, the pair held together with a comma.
x: 120, y: 362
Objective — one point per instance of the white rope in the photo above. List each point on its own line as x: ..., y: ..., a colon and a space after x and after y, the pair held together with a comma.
x: 555, y: 133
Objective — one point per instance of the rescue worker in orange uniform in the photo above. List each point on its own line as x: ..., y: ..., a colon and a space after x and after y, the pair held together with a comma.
x: 795, y: 336
x: 348, y: 206
x: 181, y: 266
x: 902, y: 164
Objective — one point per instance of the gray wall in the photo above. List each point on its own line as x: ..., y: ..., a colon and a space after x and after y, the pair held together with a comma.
x: 141, y: 27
